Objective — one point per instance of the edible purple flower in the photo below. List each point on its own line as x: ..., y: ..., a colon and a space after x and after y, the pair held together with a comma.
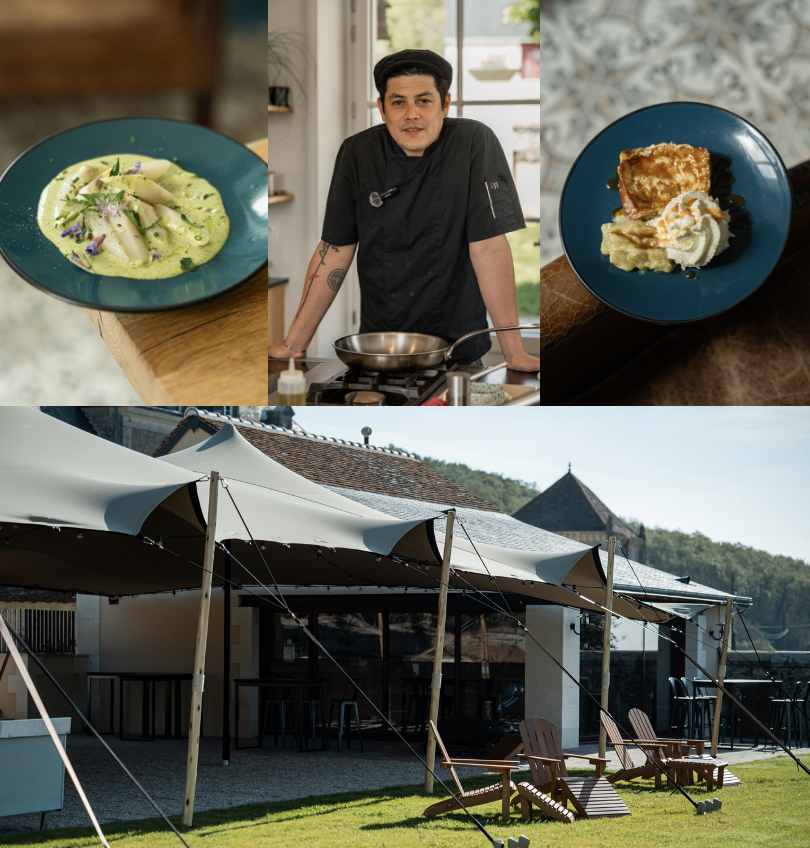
x: 156, y: 256
x: 80, y: 260
x: 76, y: 230
x: 135, y: 169
x: 93, y: 247
x: 108, y: 210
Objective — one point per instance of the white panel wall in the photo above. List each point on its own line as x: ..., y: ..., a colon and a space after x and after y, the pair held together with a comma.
x: 302, y: 150
x: 550, y: 693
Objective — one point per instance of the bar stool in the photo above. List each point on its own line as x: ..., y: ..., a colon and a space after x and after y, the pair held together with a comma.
x: 702, y: 706
x: 783, y: 710
x: 347, y: 700
x: 683, y: 708
x: 280, y: 702
x: 311, y: 705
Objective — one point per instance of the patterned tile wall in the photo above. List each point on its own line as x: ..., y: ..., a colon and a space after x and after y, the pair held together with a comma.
x: 601, y: 59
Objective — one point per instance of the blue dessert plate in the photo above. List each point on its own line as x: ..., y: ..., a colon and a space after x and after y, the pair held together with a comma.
x: 236, y: 172
x: 739, y: 153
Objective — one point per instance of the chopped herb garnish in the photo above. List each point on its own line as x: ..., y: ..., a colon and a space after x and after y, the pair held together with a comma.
x: 116, y: 168
x: 135, y: 218
x: 206, y: 196
x: 198, y: 226
x: 187, y: 265
x: 104, y: 162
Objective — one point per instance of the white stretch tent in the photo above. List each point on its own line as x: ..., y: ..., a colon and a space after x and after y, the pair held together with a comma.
x: 75, y: 509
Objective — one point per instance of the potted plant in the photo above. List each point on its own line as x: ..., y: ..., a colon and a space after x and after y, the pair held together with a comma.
x: 287, y: 57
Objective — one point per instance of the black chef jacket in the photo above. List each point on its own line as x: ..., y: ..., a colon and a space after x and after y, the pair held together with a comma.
x: 413, y: 257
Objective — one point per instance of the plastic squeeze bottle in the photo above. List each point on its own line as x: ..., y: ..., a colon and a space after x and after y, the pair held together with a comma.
x: 292, y: 387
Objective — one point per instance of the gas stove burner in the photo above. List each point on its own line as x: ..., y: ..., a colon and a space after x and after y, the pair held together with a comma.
x: 401, y: 389
x: 353, y: 397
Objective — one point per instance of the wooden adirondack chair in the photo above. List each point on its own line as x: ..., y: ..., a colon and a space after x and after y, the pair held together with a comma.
x: 592, y: 797
x: 674, y: 759
x: 629, y: 770
x: 497, y: 792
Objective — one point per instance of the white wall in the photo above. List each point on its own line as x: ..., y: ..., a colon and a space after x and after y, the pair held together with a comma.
x: 302, y: 150
x: 550, y: 693
x: 158, y: 633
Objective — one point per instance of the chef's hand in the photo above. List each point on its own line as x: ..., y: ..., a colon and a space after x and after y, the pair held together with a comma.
x: 281, y: 351
x: 526, y: 362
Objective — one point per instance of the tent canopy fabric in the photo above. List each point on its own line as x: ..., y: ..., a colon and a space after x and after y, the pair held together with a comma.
x: 83, y: 514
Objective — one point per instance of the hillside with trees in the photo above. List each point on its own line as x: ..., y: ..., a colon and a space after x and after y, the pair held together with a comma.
x: 778, y: 585
x: 507, y: 494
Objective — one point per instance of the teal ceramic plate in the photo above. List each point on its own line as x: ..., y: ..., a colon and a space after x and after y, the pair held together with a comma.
x: 238, y: 174
x: 760, y: 227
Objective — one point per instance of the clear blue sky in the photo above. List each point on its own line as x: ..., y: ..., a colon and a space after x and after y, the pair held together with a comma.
x: 735, y: 474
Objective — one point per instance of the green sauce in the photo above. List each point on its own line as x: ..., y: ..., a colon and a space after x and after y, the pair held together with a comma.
x: 194, y: 197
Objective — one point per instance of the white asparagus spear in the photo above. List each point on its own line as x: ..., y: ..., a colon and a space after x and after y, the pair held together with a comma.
x: 95, y: 186
x: 141, y: 187
x: 172, y: 220
x: 150, y: 221
x: 153, y: 169
x: 98, y: 225
x: 131, y: 239
x: 80, y: 179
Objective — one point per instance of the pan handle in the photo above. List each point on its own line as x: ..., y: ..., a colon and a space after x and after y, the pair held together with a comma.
x: 487, y: 330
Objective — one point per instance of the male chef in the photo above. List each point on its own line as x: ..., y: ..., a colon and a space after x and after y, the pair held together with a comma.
x: 428, y: 200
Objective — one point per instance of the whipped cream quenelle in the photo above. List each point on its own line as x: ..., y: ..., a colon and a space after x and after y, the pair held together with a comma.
x: 693, y: 229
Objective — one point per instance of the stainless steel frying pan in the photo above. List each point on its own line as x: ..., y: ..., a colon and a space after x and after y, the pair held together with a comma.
x: 402, y: 351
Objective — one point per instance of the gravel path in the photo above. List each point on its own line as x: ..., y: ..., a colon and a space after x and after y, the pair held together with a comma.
x: 254, y: 775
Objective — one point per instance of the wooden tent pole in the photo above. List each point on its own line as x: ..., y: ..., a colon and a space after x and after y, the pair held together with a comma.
x: 199, y: 655
x: 721, y: 676
x: 436, y: 680
x: 226, y: 654
x: 606, y: 643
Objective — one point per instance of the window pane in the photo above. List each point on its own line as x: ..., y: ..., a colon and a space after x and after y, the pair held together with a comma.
x: 411, y: 642
x: 500, y: 61
x: 290, y: 648
x: 355, y: 640
x: 414, y: 25
x: 493, y: 657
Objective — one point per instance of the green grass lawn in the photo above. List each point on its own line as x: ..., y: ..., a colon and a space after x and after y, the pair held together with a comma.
x: 771, y: 808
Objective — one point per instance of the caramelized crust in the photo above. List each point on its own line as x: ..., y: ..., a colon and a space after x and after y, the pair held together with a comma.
x: 649, y: 177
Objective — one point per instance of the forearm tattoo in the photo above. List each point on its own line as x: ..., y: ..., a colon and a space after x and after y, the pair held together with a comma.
x: 335, y: 279
x: 322, y: 253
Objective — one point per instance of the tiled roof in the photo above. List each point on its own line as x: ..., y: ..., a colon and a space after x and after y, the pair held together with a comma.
x: 495, y: 528
x: 335, y: 462
x: 570, y: 506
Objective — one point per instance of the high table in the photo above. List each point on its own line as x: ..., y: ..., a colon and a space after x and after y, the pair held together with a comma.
x: 148, y: 680
x: 300, y: 684
x: 740, y: 683
x: 212, y: 352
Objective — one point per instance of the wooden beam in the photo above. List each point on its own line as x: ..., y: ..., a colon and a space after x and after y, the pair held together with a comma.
x: 606, y: 642
x: 721, y: 676
x: 436, y: 681
x: 198, y: 680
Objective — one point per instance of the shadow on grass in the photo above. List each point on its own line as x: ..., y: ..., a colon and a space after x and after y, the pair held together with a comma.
x: 248, y: 817
x: 245, y: 817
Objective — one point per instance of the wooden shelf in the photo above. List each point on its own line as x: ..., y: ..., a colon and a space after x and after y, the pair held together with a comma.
x: 279, y: 108
x: 280, y: 198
